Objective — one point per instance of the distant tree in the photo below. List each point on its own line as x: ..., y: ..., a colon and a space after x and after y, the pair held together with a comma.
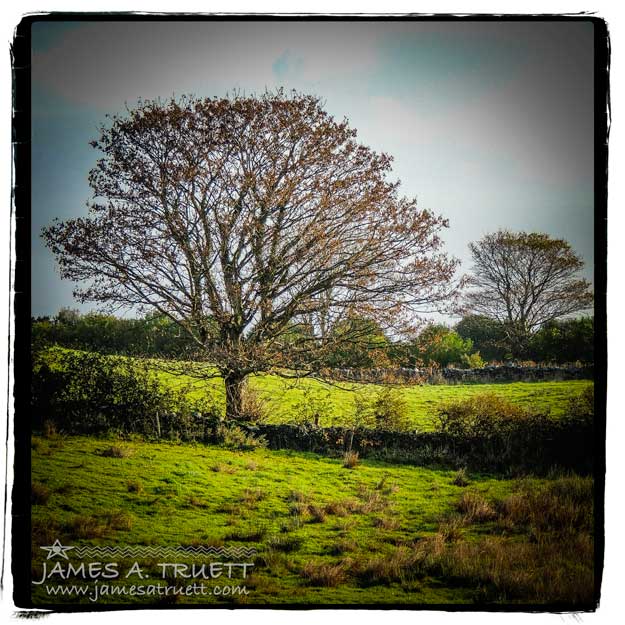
x: 439, y: 345
x: 258, y: 215
x: 566, y: 340
x: 525, y: 280
x: 360, y: 344
x: 488, y: 336
x: 154, y: 335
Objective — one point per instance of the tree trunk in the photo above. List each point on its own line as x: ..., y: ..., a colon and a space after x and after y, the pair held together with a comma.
x: 234, y: 383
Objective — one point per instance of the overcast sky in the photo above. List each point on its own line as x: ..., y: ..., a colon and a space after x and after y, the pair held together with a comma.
x: 490, y: 123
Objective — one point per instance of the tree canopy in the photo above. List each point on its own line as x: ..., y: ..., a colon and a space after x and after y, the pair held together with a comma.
x: 254, y: 215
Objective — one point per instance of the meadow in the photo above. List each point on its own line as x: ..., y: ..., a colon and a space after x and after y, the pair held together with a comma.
x: 284, y: 398
x: 331, y: 529
x: 324, y: 534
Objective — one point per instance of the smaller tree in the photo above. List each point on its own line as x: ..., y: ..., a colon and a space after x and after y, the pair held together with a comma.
x: 567, y: 340
x: 488, y: 335
x: 439, y: 345
x: 525, y: 280
x: 360, y: 344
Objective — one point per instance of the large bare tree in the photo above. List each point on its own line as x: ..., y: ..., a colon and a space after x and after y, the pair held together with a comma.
x: 525, y: 280
x: 262, y: 217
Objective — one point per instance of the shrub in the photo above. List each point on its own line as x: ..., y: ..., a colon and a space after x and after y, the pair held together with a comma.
x: 390, y: 409
x: 86, y: 392
x: 313, y: 408
x: 385, y: 409
x: 581, y: 409
x: 472, y: 361
x: 232, y: 436
x: 484, y: 415
x: 460, y: 479
x: 489, y: 431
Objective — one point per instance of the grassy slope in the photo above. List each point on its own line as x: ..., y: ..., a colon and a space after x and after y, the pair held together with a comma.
x: 283, y: 396
x: 165, y: 494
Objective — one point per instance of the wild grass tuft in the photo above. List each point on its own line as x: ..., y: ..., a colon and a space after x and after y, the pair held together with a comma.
x: 116, y: 452
x: 321, y: 574
x: 350, y: 459
x: 461, y: 479
x: 39, y: 494
x: 134, y: 486
x: 475, y: 508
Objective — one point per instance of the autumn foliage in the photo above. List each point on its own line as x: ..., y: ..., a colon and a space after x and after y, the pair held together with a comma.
x: 255, y: 223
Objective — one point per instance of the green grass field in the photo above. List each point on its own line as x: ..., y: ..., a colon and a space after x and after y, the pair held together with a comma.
x: 284, y: 396
x: 324, y: 534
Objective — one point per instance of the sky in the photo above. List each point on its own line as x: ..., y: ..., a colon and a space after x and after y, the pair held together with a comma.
x: 490, y: 124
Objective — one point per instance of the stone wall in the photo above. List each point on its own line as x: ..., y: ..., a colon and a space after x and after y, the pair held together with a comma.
x: 450, y: 375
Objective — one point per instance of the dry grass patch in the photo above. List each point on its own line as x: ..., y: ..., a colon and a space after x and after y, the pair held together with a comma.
x: 85, y: 526
x: 475, y: 508
x: 460, y: 479
x: 400, y: 566
x: 39, y: 494
x: 317, y: 513
x: 386, y: 523
x: 254, y: 535
x: 251, y: 496
x: 343, y: 545
x: 327, y: 575
x: 116, y: 452
x: 350, y: 459
x: 196, y: 502
x: 550, y: 572
x: 285, y: 544
x: 336, y: 508
x: 119, y: 520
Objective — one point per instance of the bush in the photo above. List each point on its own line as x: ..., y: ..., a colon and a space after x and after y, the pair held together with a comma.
x: 86, y: 392
x: 232, y: 436
x: 472, y: 361
x: 581, y: 409
x: 386, y: 409
x: 491, y: 432
x: 486, y: 416
x: 313, y: 408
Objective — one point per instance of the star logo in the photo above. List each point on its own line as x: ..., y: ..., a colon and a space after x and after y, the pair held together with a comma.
x: 56, y: 549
